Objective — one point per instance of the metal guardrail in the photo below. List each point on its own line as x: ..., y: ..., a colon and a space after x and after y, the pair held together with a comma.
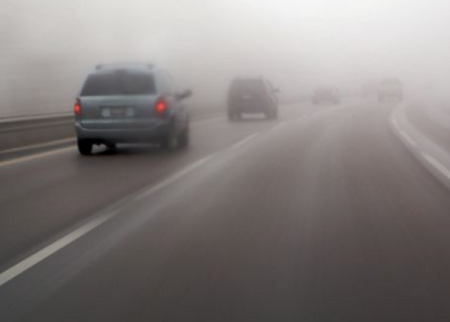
x: 25, y: 125
x: 20, y: 132
x: 24, y: 131
x: 33, y: 117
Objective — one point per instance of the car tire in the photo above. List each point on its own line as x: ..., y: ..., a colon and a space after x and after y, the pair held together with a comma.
x: 85, y: 146
x: 170, y: 140
x: 183, y: 138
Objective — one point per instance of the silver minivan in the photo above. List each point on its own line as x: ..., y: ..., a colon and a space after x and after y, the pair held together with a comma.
x: 124, y: 103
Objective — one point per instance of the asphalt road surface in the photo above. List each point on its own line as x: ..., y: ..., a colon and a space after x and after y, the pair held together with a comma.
x: 323, y: 215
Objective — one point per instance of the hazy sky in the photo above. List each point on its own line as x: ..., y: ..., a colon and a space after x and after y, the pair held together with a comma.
x: 205, y: 43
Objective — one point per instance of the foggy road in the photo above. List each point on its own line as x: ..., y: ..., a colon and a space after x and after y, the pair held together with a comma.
x: 323, y: 215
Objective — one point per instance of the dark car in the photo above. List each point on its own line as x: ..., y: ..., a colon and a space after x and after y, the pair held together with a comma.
x: 390, y: 88
x: 326, y: 94
x: 122, y: 103
x: 252, y: 95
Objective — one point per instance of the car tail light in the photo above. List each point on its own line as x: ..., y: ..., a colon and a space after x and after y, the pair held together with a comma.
x: 77, y: 107
x: 161, y: 106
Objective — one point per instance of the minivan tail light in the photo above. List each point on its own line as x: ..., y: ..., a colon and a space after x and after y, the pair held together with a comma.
x: 77, y: 107
x: 161, y: 106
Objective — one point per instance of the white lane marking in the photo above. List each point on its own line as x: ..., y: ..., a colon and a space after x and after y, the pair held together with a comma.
x: 34, y: 156
x: 431, y: 160
x: 173, y: 178
x: 49, y: 250
x: 39, y: 256
x: 394, y: 121
x: 41, y: 145
x: 46, y: 252
x: 243, y: 142
x: 408, y: 139
x: 442, y: 168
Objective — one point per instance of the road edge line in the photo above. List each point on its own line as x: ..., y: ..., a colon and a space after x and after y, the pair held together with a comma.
x: 415, y: 148
x: 99, y: 219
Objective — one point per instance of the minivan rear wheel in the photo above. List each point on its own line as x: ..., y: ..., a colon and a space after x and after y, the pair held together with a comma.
x: 183, y: 138
x: 170, y: 139
x: 85, y: 147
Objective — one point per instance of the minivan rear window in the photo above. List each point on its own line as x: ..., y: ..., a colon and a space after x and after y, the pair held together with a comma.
x: 119, y: 83
x: 247, y: 86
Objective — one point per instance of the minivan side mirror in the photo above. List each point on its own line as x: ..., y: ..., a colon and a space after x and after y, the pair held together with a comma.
x: 185, y: 94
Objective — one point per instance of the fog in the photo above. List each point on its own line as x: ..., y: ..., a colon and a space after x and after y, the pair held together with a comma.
x: 48, y: 46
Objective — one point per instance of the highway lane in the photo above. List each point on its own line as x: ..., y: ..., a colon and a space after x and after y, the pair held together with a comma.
x: 43, y: 197
x: 327, y: 217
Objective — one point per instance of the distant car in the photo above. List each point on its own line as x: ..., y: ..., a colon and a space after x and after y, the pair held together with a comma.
x: 252, y: 95
x: 123, y: 103
x: 327, y: 94
x: 390, y: 88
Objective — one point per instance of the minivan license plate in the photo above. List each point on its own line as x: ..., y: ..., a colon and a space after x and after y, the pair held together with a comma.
x: 118, y: 111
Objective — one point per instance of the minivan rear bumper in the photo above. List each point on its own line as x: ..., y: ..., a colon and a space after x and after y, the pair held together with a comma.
x: 153, y: 133
x: 248, y: 107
